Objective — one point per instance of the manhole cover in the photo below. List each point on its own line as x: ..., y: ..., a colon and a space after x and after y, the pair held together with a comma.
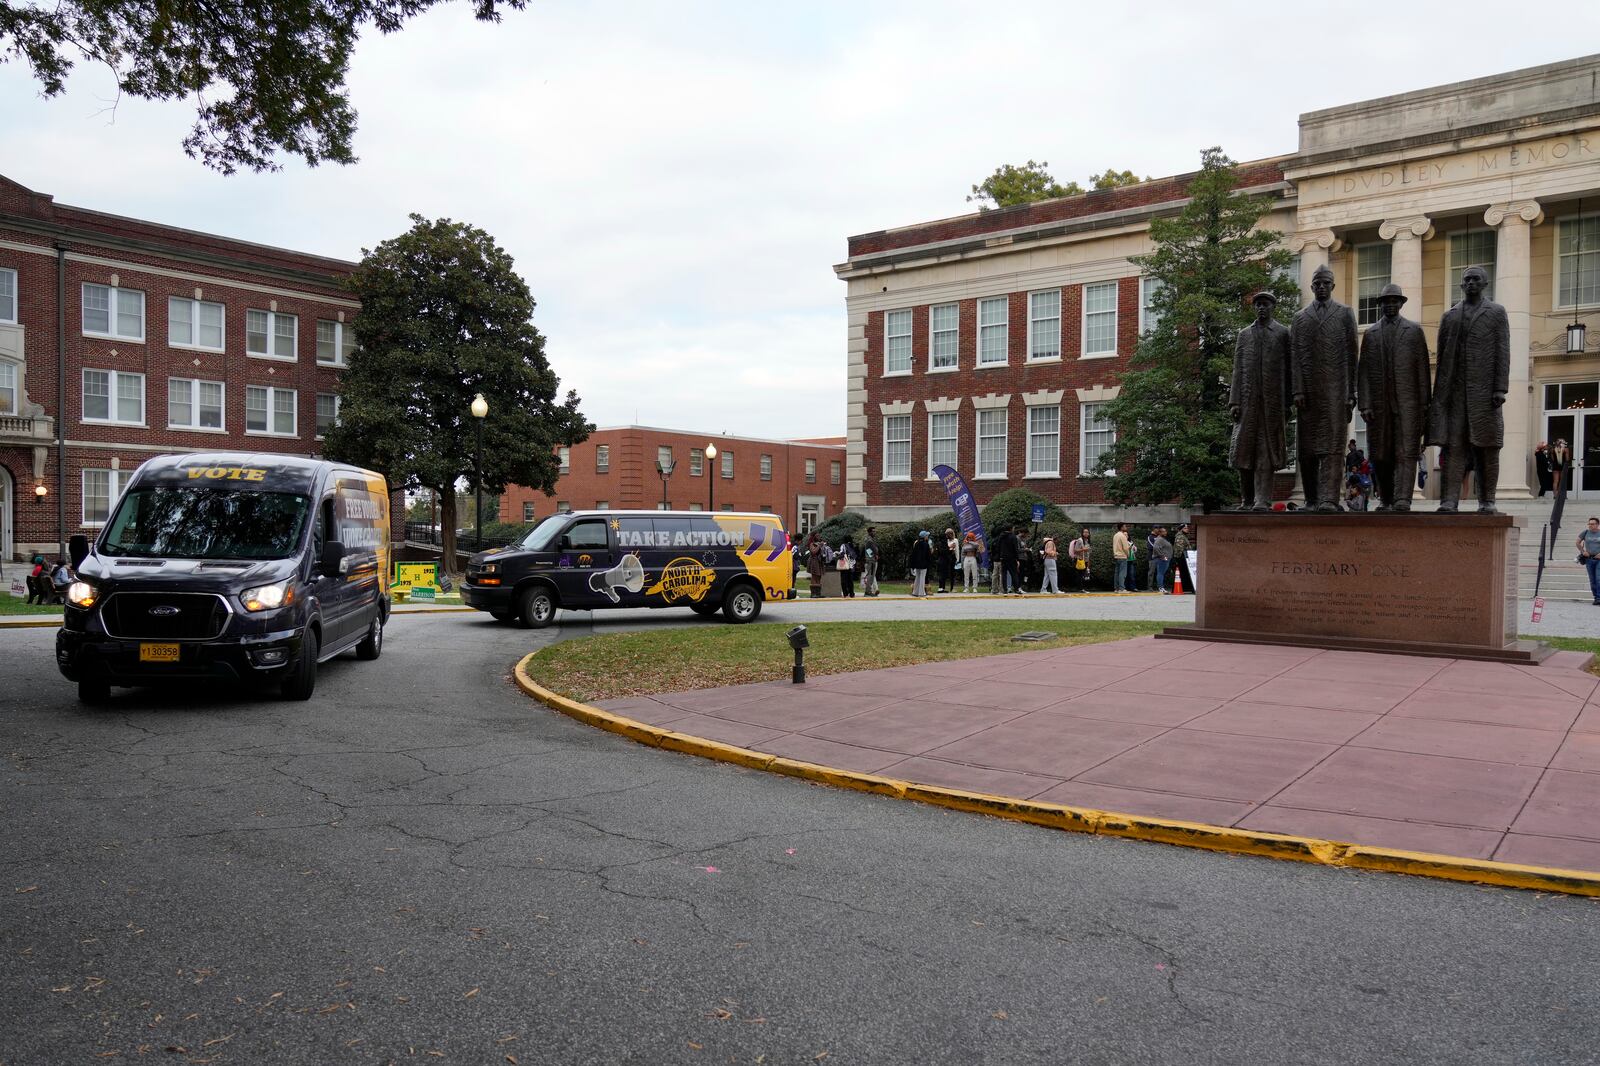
x: 1034, y: 635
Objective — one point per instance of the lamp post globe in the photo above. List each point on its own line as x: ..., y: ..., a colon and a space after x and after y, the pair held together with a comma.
x: 480, y: 411
x: 711, y: 477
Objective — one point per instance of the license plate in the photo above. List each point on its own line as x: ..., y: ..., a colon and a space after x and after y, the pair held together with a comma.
x: 158, y: 653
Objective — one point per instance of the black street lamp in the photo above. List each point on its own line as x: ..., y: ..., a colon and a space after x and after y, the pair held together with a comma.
x: 665, y: 470
x: 480, y: 411
x: 711, y: 481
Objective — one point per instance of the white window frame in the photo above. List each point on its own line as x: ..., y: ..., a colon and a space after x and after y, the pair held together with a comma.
x: 193, y: 343
x: 1034, y: 320
x: 1099, y: 287
x: 835, y: 472
x: 8, y: 280
x: 113, y: 393
x: 725, y: 457
x: 602, y: 505
x: 272, y: 336
x: 564, y: 458
x: 602, y: 458
x: 344, y: 342
x: 888, y: 338
x: 1149, y: 285
x: 113, y: 298
x: 527, y: 511
x: 1378, y: 280
x: 116, y: 481
x: 1454, y: 267
x: 193, y: 425
x: 952, y: 449
x: 811, y: 471
x: 1084, y: 429
x: 697, y: 462
x: 1036, y: 454
x: 338, y: 402
x: 1585, y: 275
x: 949, y: 337
x: 998, y: 330
x: 10, y: 382
x: 894, y: 423
x: 1004, y: 436
x: 272, y: 412
x: 766, y: 467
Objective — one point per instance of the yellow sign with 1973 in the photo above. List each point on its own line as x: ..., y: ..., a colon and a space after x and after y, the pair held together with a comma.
x: 411, y: 575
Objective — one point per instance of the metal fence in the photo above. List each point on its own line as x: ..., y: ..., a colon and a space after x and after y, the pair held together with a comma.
x: 423, y: 533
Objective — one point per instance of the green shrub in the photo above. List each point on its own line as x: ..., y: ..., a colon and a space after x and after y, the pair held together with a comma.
x: 1014, y: 507
x: 845, y: 524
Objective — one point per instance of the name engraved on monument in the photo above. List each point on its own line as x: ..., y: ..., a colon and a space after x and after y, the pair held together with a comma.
x: 1329, y: 580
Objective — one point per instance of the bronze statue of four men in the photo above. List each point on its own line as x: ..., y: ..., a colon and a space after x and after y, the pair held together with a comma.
x: 1327, y: 369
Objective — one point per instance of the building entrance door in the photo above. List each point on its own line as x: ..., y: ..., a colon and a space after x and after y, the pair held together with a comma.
x: 8, y: 511
x: 1572, y: 414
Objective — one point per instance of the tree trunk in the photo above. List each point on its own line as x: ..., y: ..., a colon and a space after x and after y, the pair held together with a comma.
x: 449, y: 561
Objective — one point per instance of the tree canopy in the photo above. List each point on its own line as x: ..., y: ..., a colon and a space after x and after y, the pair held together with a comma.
x: 445, y: 316
x: 1011, y: 185
x: 1171, y: 415
x: 266, y: 77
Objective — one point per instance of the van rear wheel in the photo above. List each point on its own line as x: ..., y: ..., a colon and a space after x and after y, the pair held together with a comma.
x: 372, y: 646
x: 742, y: 604
x: 538, y: 607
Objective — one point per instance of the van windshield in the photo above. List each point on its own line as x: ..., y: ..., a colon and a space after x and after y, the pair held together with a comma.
x: 206, y: 523
x: 543, y: 535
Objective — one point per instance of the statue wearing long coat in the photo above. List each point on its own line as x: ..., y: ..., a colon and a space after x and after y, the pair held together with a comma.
x: 1392, y: 384
x: 1324, y: 339
x: 1474, y: 363
x: 1260, y: 389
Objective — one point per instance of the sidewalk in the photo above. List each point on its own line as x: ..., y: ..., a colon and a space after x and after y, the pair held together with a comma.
x: 1476, y: 760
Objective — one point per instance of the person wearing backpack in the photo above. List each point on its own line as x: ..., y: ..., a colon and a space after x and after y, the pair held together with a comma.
x: 1078, y: 554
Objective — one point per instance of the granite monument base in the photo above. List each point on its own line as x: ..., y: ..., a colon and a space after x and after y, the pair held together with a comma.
x: 1407, y: 583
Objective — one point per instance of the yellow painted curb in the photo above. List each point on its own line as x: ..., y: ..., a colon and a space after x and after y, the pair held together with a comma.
x: 1086, y: 820
x: 39, y: 623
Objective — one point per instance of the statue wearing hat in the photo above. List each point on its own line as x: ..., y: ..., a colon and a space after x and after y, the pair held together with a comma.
x: 1392, y: 388
x: 1323, y: 340
x: 1258, y: 399
x: 1469, y: 388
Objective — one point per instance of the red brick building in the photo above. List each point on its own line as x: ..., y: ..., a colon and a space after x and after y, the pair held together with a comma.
x: 617, y: 469
x: 121, y: 339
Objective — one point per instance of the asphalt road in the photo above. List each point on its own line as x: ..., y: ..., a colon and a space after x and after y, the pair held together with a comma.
x: 421, y: 865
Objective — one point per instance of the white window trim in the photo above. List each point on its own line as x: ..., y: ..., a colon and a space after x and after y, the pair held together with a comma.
x: 977, y: 445
x: 1028, y: 457
x: 1004, y: 325
x: 112, y: 377
x: 338, y: 359
x: 599, y: 467
x: 910, y: 440
x: 931, y: 416
x: 338, y: 401
x: 1555, y: 267
x: 1355, y: 270
x: 1083, y: 441
x: 953, y: 367
x: 116, y: 481
x: 911, y: 357
x: 1028, y: 357
x: 764, y: 467
x: 194, y: 323
x: 697, y: 462
x: 272, y: 326
x: 564, y: 460
x: 1452, y: 292
x: 16, y: 298
x: 194, y: 406
x: 1147, y: 319
x: 272, y: 391
x: 725, y: 464
x: 16, y: 386
x: 1083, y: 303
x: 111, y: 315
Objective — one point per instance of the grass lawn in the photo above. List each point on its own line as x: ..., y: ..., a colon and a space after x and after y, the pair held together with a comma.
x: 676, y: 660
x: 15, y: 605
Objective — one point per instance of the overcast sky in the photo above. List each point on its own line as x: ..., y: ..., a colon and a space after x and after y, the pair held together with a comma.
x: 676, y: 180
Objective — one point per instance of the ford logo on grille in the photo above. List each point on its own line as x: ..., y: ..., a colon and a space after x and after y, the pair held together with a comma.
x: 164, y: 611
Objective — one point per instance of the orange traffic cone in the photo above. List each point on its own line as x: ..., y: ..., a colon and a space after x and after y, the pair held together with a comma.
x: 1177, y: 583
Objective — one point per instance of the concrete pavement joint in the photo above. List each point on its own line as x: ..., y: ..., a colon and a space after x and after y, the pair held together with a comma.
x: 1086, y: 820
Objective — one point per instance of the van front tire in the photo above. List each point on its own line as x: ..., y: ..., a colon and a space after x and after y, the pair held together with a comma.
x: 301, y: 680
x: 94, y: 691
x: 537, y: 607
x: 742, y: 604
x: 705, y: 608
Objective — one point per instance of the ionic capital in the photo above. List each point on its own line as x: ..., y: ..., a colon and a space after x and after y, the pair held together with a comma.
x: 1515, y: 211
x: 1403, y: 229
x: 1322, y: 238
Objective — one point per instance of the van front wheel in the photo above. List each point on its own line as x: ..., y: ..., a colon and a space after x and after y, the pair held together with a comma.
x: 538, y: 607
x: 742, y: 604
x: 301, y: 680
x: 705, y: 608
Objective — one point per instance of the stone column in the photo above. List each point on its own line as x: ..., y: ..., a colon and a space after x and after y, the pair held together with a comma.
x: 1405, y: 263
x: 1512, y: 275
x: 1315, y: 248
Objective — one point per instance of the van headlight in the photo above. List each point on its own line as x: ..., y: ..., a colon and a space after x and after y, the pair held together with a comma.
x: 268, y: 597
x: 490, y: 568
x: 81, y: 594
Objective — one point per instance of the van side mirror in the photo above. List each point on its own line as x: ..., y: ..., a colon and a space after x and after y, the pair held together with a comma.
x: 78, y: 549
x: 332, y: 558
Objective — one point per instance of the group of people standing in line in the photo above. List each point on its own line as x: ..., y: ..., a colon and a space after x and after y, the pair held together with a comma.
x: 954, y: 560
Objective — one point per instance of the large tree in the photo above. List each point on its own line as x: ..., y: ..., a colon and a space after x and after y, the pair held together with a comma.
x: 445, y: 316
x: 1010, y: 185
x: 266, y: 76
x: 1171, y: 415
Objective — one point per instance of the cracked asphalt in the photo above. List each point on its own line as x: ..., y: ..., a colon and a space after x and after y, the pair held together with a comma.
x: 422, y: 865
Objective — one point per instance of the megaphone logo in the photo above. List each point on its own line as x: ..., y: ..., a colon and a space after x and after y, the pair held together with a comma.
x: 627, y: 574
